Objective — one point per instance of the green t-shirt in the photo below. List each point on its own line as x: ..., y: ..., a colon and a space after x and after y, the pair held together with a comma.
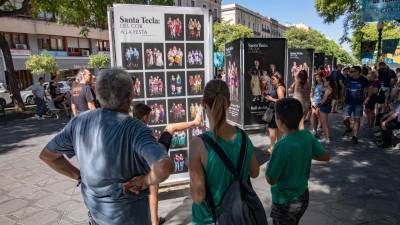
x: 290, y: 165
x: 218, y: 177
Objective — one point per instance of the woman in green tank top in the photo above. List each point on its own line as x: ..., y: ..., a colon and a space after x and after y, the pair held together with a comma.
x: 204, y: 164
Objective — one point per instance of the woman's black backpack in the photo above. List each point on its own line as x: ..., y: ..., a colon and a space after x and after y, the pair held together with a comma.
x: 240, y: 204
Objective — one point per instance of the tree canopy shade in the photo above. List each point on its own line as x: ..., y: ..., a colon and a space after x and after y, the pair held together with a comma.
x: 369, y: 32
x: 309, y: 38
x: 225, y: 32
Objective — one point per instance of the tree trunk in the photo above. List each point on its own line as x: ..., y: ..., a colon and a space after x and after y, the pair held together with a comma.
x: 12, y: 81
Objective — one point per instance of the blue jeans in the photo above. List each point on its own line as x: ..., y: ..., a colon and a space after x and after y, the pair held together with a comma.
x: 40, y: 106
x: 353, y: 111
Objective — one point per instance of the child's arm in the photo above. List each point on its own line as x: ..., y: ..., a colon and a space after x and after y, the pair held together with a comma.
x: 324, y: 157
x: 171, y: 128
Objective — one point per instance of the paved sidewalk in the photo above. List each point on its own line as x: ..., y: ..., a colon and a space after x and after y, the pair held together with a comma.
x: 360, y: 185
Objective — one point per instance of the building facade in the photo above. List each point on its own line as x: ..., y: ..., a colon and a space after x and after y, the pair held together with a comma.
x: 262, y: 26
x: 214, y: 6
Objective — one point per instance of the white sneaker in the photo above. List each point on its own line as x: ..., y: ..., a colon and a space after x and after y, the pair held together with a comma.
x: 41, y: 118
x: 37, y: 117
x: 325, y: 141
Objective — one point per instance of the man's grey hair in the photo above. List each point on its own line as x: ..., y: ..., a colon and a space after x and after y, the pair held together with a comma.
x: 113, y: 86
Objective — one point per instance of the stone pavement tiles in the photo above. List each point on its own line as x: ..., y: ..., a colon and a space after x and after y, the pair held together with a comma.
x: 360, y: 185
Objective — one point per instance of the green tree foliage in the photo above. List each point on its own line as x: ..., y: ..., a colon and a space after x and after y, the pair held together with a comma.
x: 369, y: 32
x: 41, y: 64
x: 225, y: 32
x: 99, y: 60
x: 330, y: 11
x: 85, y: 14
x: 309, y: 38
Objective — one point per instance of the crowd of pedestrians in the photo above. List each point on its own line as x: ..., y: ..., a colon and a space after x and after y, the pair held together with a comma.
x: 122, y: 163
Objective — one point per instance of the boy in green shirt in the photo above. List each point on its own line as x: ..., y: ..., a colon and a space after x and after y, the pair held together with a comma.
x: 289, y: 167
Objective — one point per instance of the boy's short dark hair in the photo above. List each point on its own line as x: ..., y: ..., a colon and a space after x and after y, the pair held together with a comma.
x: 290, y: 112
x: 358, y: 68
x: 140, y: 110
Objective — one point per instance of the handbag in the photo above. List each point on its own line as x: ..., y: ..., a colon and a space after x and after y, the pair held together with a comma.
x: 268, y: 115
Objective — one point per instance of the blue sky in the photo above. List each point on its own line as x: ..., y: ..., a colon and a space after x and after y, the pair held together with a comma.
x: 295, y: 11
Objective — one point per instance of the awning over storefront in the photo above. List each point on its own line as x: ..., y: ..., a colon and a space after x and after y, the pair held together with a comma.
x: 63, y: 62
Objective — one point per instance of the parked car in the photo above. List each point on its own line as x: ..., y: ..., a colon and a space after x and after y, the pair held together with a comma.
x: 29, y: 99
x: 5, y: 96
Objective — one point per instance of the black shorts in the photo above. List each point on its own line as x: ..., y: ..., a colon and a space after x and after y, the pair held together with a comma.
x: 272, y: 124
x: 291, y: 213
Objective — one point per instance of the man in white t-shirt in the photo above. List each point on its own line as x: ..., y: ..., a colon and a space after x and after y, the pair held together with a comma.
x: 38, y: 92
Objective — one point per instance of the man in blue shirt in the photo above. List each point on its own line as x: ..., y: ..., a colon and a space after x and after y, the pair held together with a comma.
x: 118, y: 155
x: 356, y: 88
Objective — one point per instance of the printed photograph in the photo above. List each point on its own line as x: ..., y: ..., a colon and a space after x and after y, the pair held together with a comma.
x: 195, y: 27
x: 138, y: 85
x: 232, y: 80
x: 155, y: 85
x: 195, y: 55
x: 195, y: 108
x: 179, y: 157
x: 175, y: 55
x: 195, y: 81
x: 179, y: 139
x: 176, y: 84
x: 157, y: 131
x: 154, y: 55
x: 174, y: 27
x: 158, y: 112
x: 177, y: 110
x: 194, y: 132
x: 132, y: 56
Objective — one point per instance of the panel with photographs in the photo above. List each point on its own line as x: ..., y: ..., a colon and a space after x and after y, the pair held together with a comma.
x: 155, y: 85
x: 179, y: 139
x: 195, y: 82
x: 174, y: 27
x: 177, y: 110
x: 154, y: 56
x: 194, y: 27
x: 176, y: 84
x: 132, y: 56
x: 158, y: 112
x: 180, y: 158
x: 195, y: 55
x: 175, y: 55
x: 157, y: 131
x: 138, y: 85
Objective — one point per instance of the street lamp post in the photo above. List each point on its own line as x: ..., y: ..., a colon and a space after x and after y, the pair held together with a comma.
x: 379, y: 27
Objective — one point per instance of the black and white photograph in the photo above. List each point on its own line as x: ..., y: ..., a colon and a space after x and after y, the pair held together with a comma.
x: 179, y: 157
x: 195, y: 55
x: 158, y: 112
x: 138, y: 85
x: 179, y: 139
x: 176, y: 84
x: 154, y: 55
x: 194, y: 27
x: 174, y: 27
x: 157, y: 131
x: 195, y: 81
x: 175, y: 55
x: 177, y: 110
x: 155, y: 85
x: 132, y: 56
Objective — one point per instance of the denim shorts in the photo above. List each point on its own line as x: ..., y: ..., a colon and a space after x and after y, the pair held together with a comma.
x: 354, y: 111
x: 325, y: 108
